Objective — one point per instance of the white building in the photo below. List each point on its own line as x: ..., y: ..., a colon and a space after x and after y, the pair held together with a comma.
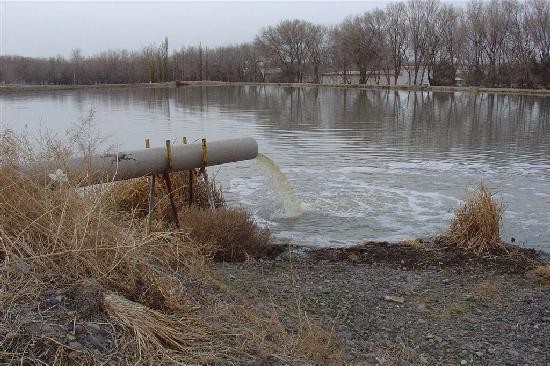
x: 375, y: 78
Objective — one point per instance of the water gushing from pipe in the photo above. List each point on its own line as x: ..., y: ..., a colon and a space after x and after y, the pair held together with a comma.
x: 291, y: 207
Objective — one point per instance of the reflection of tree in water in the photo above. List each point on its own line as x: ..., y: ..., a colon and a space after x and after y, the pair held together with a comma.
x: 158, y: 100
x: 417, y: 120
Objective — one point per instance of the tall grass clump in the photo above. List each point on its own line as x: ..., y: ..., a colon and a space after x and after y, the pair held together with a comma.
x: 475, y: 226
x: 231, y: 234
x: 160, y: 292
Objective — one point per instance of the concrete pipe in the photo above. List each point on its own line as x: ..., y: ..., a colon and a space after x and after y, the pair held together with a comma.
x: 138, y: 163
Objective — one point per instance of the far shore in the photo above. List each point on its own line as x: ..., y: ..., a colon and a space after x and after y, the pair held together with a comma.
x: 436, y: 89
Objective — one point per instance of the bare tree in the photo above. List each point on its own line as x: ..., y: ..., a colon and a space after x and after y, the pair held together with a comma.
x: 316, y: 45
x: 497, y: 21
x: 424, y: 38
x: 396, y: 36
x: 498, y: 43
x: 285, y: 46
x: 537, y: 22
x: 339, y: 55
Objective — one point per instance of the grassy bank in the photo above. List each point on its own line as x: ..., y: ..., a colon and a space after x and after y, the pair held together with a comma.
x: 81, y: 282
x: 434, y: 89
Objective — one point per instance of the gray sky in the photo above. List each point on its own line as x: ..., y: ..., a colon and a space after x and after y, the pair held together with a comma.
x: 51, y: 28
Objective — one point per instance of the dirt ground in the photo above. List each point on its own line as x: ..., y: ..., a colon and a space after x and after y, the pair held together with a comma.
x: 395, y: 306
x: 412, y: 303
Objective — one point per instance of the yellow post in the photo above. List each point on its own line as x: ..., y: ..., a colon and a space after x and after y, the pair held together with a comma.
x: 169, y: 154
x: 204, y: 154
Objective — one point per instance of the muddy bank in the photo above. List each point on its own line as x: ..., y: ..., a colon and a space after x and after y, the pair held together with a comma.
x: 401, y: 304
x: 428, y: 253
x: 435, y: 89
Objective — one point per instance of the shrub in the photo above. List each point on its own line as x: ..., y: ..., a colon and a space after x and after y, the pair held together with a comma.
x: 443, y: 74
x: 232, y: 234
x: 226, y: 234
x: 476, y: 224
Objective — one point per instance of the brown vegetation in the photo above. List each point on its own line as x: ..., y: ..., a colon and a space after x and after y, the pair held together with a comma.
x: 225, y: 234
x: 133, y: 195
x: 476, y: 224
x: 231, y: 234
x: 158, y: 293
x: 541, y: 274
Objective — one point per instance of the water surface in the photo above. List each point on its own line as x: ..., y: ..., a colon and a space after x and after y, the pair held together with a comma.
x: 363, y: 165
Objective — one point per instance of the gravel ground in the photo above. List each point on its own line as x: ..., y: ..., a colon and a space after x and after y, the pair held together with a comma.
x: 387, y: 310
x: 387, y: 304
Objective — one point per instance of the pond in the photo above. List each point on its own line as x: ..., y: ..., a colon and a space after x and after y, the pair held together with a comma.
x: 342, y: 165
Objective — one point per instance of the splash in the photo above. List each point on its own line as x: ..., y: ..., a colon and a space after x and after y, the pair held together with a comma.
x: 291, y: 207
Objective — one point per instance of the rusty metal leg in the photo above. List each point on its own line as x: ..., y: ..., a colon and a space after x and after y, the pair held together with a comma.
x: 168, y: 184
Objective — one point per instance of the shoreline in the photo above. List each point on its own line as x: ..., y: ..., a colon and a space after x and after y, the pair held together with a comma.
x: 171, y: 84
x: 417, y: 254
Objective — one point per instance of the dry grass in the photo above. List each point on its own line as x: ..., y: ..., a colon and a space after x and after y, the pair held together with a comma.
x: 487, y: 290
x: 156, y: 330
x: 416, y: 244
x: 231, y: 234
x: 476, y: 224
x: 226, y: 234
x: 163, y: 295
x: 60, y: 235
x: 541, y: 274
x: 132, y: 195
x: 397, y: 354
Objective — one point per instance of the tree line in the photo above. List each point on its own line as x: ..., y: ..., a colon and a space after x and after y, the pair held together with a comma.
x: 498, y: 43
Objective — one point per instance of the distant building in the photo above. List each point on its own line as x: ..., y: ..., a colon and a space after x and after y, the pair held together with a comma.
x: 375, y: 78
x: 271, y: 74
x: 340, y: 77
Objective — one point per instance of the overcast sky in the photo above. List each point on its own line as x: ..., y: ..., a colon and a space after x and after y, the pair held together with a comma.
x: 51, y: 28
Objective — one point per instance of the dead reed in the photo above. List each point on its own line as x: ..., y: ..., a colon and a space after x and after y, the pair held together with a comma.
x: 476, y: 224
